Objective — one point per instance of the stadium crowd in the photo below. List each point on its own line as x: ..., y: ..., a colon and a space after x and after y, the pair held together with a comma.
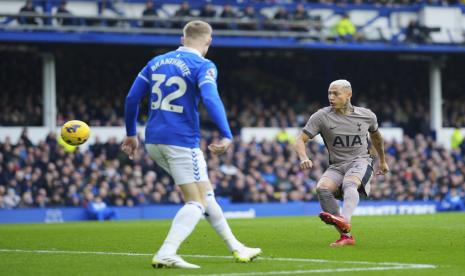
x: 47, y: 174
x: 259, y: 89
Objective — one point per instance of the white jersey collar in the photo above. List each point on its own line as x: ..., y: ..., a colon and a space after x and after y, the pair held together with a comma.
x: 189, y: 50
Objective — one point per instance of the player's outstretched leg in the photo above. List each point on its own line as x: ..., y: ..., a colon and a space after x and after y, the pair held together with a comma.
x: 351, y: 199
x: 330, y: 214
x: 183, y: 224
x: 214, y: 215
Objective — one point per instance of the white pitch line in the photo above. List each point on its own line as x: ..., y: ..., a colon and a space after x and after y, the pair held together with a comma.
x: 74, y: 252
x: 329, y: 270
x: 379, y: 265
x: 311, y: 260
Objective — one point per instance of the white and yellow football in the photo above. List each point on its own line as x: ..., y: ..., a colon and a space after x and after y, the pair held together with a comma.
x: 75, y: 132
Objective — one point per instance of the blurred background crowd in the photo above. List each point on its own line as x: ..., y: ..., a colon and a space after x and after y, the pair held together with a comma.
x: 48, y: 174
x: 259, y: 89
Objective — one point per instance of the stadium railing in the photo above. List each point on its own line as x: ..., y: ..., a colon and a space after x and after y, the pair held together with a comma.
x: 247, y: 134
x: 385, y: 24
x: 133, y: 25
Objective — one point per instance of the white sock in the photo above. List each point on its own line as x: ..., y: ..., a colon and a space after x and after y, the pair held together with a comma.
x: 215, y: 217
x: 183, y: 224
x: 351, y: 199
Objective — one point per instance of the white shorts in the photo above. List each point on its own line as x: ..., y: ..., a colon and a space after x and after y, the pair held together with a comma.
x: 185, y: 165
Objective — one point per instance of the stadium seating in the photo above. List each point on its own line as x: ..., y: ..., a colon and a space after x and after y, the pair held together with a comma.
x: 445, y: 24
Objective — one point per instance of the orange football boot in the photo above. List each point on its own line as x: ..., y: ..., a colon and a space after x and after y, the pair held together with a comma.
x: 337, y: 221
x: 344, y: 240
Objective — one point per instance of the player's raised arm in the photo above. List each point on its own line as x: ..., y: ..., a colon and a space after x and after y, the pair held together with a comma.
x: 139, y: 88
x: 378, y: 144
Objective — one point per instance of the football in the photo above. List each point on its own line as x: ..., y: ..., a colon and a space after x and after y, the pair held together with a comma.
x: 75, y: 132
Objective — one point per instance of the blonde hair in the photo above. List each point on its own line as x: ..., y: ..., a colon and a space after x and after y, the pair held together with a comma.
x: 197, y: 29
x: 344, y: 85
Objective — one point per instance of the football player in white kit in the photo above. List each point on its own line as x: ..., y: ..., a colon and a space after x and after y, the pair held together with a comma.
x: 345, y: 130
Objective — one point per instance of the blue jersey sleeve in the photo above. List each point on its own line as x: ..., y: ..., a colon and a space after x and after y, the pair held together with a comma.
x: 139, y: 89
x: 207, y: 74
x: 211, y: 98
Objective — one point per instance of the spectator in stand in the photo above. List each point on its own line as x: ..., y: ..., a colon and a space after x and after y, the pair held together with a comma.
x: 227, y: 13
x: 98, y: 210
x: 208, y: 11
x: 183, y: 11
x: 281, y: 14
x: 228, y: 168
x: 345, y: 29
x: 97, y: 147
x: 149, y: 11
x: 456, y: 139
x: 249, y: 19
x: 108, y: 8
x: 283, y: 137
x: 112, y: 149
x: 11, y: 199
x: 279, y: 20
x: 299, y: 19
x: 28, y: 11
x: 451, y: 202
x: 62, y: 10
x: 104, y: 5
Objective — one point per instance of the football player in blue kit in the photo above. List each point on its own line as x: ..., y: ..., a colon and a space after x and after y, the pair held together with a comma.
x: 176, y: 82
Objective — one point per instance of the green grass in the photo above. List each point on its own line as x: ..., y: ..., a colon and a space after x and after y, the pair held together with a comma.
x: 421, y: 239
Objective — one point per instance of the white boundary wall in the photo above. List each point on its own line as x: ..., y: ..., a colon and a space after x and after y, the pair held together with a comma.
x: 443, y: 136
x: 36, y: 134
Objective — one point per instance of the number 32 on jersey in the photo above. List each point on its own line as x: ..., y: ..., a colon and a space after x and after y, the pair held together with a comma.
x: 165, y: 103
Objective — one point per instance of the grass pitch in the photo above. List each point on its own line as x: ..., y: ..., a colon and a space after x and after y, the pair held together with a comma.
x: 386, y: 245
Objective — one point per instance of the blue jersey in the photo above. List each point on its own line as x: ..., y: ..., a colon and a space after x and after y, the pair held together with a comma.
x: 176, y: 82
